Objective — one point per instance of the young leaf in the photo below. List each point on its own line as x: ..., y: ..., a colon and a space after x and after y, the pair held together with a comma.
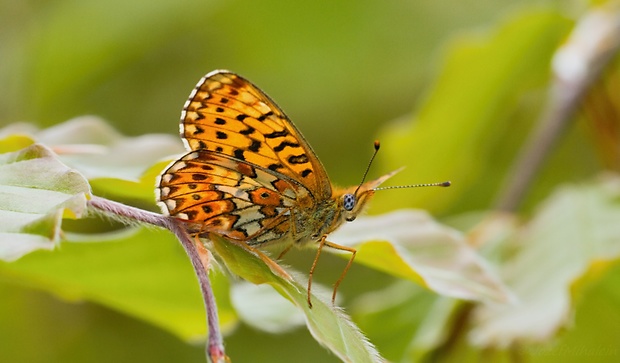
x: 575, y: 229
x: 410, y: 244
x: 114, y: 164
x: 37, y: 191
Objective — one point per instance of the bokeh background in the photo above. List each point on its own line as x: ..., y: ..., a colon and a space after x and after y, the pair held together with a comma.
x: 344, y: 71
x: 340, y: 69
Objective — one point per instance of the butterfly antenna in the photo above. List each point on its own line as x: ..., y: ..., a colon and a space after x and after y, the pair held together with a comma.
x: 377, y: 146
x: 442, y: 184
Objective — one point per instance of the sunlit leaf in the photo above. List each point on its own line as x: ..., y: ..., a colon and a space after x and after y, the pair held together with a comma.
x: 114, y: 164
x: 418, y: 320
x: 261, y: 307
x: 574, y: 229
x: 36, y: 192
x: 410, y: 244
x: 141, y: 272
x: 13, y: 142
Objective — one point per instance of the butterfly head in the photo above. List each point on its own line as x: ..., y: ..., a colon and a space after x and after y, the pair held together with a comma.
x: 354, y: 200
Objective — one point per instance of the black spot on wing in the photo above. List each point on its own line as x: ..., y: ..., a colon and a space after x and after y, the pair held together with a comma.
x: 276, y: 134
x: 298, y: 159
x: 275, y: 167
x: 263, y: 117
x: 249, y: 131
x: 238, y: 153
x: 255, y: 146
x: 284, y: 144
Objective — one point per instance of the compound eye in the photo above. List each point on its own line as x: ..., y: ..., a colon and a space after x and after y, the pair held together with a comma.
x: 349, y: 202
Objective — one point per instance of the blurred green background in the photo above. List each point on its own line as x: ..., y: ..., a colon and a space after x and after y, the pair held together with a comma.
x: 342, y: 70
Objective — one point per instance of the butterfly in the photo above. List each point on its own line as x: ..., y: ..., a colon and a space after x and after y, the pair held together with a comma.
x: 251, y: 177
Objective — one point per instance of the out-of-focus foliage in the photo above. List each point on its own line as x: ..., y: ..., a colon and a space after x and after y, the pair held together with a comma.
x: 467, y: 82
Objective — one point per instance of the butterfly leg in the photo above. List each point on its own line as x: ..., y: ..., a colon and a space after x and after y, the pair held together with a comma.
x: 203, y: 253
x: 324, y: 242
x: 199, y: 245
x: 346, y: 269
x: 311, y: 273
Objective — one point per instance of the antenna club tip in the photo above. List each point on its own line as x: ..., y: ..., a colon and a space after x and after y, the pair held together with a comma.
x: 377, y: 145
x: 445, y: 184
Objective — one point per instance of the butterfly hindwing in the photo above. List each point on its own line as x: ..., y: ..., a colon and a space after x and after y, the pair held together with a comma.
x: 228, y: 196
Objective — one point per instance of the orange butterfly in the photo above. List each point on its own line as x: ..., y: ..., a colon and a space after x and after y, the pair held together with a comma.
x: 251, y: 176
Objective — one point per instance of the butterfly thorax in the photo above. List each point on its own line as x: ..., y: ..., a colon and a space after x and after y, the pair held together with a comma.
x: 309, y: 225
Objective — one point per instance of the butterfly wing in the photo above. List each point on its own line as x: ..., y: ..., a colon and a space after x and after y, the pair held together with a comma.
x: 231, y: 197
x: 227, y: 114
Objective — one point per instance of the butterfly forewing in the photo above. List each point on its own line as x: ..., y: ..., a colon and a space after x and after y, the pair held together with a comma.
x: 229, y: 115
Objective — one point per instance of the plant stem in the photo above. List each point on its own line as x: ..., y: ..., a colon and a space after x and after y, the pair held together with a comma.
x: 197, y: 255
x: 592, y: 45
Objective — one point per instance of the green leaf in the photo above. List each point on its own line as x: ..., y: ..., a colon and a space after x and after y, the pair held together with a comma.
x: 92, y: 146
x: 142, y: 189
x: 327, y: 323
x: 10, y: 142
x: 595, y: 326
x: 37, y: 191
x: 576, y: 228
x: 409, y: 244
x: 141, y: 272
x: 115, y: 165
x: 413, y: 332
x: 261, y: 307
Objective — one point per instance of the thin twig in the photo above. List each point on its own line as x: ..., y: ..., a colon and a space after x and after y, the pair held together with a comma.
x: 592, y: 45
x: 215, y: 344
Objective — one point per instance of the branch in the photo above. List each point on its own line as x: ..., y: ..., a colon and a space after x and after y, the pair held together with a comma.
x: 592, y: 45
